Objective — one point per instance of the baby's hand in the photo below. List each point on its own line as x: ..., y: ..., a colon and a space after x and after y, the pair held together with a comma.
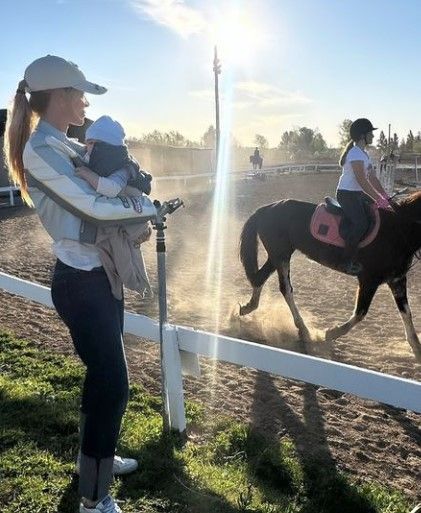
x: 87, y: 174
x: 131, y: 191
x: 146, y: 235
x: 83, y: 172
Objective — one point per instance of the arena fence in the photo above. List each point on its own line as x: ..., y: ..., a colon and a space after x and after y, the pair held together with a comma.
x: 182, y: 345
x: 10, y: 189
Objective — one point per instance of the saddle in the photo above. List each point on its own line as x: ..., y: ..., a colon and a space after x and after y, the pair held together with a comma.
x: 329, y: 225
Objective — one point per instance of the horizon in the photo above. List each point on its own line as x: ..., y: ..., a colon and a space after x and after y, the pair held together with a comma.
x: 284, y: 64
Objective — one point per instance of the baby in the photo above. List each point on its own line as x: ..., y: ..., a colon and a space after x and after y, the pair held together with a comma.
x: 110, y: 169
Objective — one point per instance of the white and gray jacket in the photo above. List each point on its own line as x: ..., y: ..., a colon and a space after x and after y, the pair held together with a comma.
x: 67, y: 205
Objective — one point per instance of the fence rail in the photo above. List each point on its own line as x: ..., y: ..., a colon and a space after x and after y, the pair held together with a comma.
x: 10, y: 189
x: 183, y: 344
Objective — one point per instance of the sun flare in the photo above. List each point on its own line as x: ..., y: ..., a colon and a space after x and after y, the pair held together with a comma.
x: 238, y: 38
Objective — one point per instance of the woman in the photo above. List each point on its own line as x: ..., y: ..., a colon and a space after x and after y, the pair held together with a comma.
x: 358, y: 185
x: 71, y: 210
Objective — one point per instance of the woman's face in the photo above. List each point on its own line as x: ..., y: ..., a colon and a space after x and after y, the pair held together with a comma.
x: 74, y: 105
x: 369, y: 137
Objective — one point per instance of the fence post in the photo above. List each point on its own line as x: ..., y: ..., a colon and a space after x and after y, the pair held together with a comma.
x: 174, y: 393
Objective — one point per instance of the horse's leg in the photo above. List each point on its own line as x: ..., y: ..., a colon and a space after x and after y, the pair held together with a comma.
x: 398, y: 288
x: 262, y: 275
x: 287, y: 291
x: 365, y: 295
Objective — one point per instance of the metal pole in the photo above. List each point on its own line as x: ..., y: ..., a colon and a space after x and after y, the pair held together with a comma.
x: 162, y: 294
x: 216, y: 71
x: 168, y: 207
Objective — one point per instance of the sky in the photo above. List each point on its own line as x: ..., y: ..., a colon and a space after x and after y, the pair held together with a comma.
x: 284, y: 63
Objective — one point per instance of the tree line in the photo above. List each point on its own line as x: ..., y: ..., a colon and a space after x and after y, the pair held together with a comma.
x: 301, y: 143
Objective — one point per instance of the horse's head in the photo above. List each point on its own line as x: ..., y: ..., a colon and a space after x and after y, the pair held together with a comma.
x: 410, y: 207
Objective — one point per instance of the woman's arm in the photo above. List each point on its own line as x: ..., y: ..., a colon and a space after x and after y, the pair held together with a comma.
x: 53, y: 174
x: 375, y: 182
x: 366, y: 186
x: 87, y: 174
x: 110, y: 186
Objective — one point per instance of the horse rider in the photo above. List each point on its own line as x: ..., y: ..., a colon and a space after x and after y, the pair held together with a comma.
x: 257, y: 159
x: 358, y: 186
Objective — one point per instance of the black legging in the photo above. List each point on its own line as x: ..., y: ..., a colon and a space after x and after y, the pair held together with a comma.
x: 95, y: 318
x: 355, y: 207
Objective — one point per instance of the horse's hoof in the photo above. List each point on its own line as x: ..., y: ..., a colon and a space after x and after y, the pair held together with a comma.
x: 331, y: 335
x: 304, y: 335
x: 417, y: 356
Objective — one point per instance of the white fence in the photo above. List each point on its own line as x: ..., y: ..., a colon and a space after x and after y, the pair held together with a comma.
x: 10, y: 189
x: 182, y: 345
x: 268, y: 170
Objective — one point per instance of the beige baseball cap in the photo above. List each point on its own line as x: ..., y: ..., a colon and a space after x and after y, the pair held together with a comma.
x: 52, y: 72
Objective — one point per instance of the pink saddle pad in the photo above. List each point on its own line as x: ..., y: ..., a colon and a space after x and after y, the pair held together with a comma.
x: 324, y: 226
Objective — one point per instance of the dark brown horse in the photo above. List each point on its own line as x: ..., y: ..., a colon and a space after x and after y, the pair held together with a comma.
x: 283, y: 227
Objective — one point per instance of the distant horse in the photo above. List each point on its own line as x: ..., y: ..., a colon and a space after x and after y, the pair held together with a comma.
x: 283, y: 227
x: 257, y: 161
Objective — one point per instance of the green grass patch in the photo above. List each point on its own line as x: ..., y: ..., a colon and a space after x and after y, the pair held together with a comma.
x: 229, y: 468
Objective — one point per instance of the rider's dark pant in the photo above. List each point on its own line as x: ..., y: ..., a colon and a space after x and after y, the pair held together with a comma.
x: 84, y: 301
x: 355, y: 207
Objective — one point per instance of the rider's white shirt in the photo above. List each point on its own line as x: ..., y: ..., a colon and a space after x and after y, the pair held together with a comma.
x: 347, y: 181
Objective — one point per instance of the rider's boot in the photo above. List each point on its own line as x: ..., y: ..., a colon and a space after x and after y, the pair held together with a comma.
x: 351, y: 265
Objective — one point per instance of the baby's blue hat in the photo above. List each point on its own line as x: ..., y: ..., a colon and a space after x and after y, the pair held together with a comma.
x: 107, y: 130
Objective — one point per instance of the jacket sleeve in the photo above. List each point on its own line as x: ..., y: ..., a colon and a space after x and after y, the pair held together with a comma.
x: 113, y: 184
x: 53, y: 173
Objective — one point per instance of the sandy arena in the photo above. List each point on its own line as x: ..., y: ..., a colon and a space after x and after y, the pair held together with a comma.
x: 369, y: 440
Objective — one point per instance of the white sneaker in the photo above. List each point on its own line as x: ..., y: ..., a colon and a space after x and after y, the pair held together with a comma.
x: 120, y: 465
x: 124, y: 465
x: 107, y: 505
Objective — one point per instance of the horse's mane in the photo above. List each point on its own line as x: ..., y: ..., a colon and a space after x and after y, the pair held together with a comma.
x: 410, y: 206
x: 409, y: 200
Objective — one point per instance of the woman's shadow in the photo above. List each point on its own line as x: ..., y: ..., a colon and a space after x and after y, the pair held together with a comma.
x: 326, y: 488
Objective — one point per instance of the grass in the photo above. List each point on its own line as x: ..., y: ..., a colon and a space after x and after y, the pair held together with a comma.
x: 228, y: 469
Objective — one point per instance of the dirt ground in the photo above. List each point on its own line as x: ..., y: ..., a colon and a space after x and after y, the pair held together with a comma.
x: 370, y: 440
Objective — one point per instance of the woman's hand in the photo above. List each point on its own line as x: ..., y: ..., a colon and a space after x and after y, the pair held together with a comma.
x: 87, y: 174
x: 383, y: 202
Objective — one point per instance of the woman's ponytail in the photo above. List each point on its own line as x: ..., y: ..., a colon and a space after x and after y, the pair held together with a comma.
x: 19, y: 125
x: 345, y: 152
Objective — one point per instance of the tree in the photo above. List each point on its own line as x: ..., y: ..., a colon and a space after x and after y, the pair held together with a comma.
x: 319, y: 144
x: 209, y: 137
x: 409, y: 145
x: 286, y: 139
x: 394, y: 143
x: 344, y: 136
x: 261, y: 142
x: 303, y: 143
x: 382, y: 143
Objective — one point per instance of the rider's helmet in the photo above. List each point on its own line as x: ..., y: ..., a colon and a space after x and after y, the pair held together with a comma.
x: 360, y: 128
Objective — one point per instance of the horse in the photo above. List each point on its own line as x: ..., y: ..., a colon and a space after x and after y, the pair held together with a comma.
x: 284, y: 227
x: 257, y: 161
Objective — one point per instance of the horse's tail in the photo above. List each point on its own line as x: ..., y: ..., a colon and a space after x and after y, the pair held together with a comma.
x: 248, y: 253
